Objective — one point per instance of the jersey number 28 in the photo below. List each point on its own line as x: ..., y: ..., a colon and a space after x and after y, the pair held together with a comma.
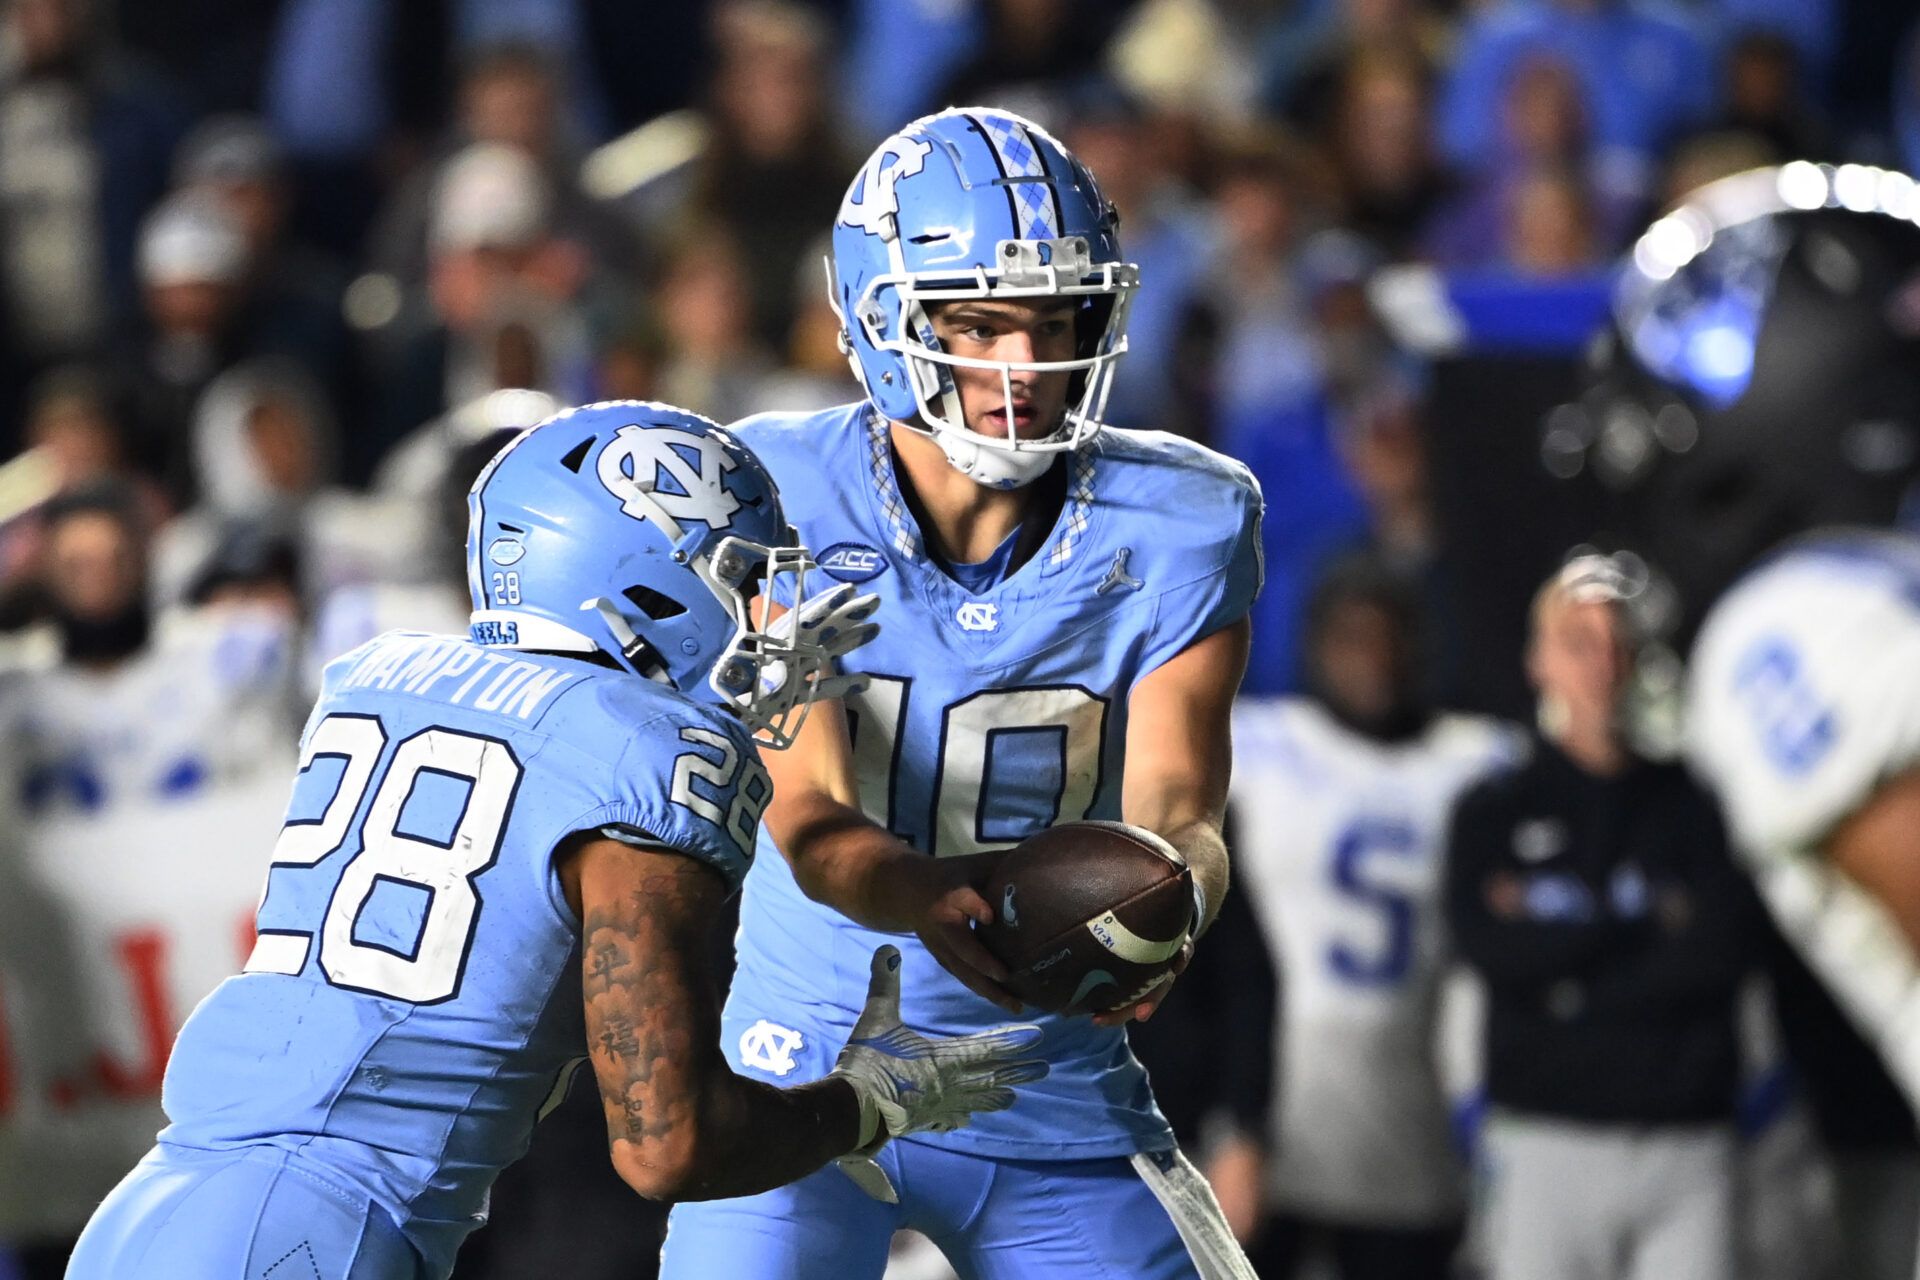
x: 430, y: 970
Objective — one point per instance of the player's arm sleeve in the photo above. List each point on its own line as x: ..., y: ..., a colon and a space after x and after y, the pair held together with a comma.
x: 696, y: 788
x: 1225, y: 590
x: 1522, y: 950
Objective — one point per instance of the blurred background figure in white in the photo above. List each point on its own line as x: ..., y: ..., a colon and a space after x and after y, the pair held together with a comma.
x: 1340, y: 802
x: 141, y: 750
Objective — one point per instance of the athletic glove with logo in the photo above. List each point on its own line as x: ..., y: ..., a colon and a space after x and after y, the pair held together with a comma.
x: 908, y: 1083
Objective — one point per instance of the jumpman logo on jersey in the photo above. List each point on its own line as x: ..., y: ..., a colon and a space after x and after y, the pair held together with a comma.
x: 1117, y: 575
x: 770, y: 1047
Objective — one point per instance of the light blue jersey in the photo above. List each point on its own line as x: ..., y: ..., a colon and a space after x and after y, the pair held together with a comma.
x: 989, y: 717
x: 414, y: 999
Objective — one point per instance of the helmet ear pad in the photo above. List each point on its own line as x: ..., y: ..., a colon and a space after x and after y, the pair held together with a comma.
x: 887, y: 375
x: 1090, y: 335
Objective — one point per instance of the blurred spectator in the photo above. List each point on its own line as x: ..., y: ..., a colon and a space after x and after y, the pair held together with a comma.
x: 77, y: 414
x: 294, y: 290
x: 1766, y: 96
x: 900, y: 55
x: 1384, y: 446
x: 713, y: 365
x: 354, y: 88
x: 513, y: 302
x: 78, y: 422
x: 193, y: 276
x: 554, y: 28
x: 253, y: 567
x: 1378, y: 138
x: 1261, y: 383
x: 1645, y: 73
x: 1028, y: 49
x: 145, y: 766
x: 84, y: 142
x: 1253, y: 311
x: 628, y: 365
x: 264, y: 456
x: 1303, y: 62
x: 1549, y: 225
x: 1813, y: 29
x: 814, y: 374
x: 508, y: 94
x: 1543, y: 126
x: 1348, y: 890
x: 774, y: 169
x: 326, y: 92
x: 1594, y: 893
x: 1166, y: 229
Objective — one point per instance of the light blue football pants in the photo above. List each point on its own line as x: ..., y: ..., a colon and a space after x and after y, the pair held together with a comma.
x: 246, y: 1214
x: 1146, y: 1218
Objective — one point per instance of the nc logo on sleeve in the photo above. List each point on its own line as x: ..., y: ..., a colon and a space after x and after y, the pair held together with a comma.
x: 669, y: 477
x: 768, y: 1046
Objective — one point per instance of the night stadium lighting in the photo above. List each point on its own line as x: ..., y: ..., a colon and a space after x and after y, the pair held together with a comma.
x: 1803, y: 185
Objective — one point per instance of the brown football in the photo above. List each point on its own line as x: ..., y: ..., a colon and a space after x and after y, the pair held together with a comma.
x: 1088, y: 915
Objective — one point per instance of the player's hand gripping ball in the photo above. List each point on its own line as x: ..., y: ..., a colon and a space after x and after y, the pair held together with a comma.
x: 1089, y: 916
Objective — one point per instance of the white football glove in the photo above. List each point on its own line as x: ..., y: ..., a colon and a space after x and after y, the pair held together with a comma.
x: 826, y: 627
x: 908, y: 1082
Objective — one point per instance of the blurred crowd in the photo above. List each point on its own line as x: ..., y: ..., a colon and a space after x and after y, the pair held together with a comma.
x: 277, y: 275
x: 265, y: 265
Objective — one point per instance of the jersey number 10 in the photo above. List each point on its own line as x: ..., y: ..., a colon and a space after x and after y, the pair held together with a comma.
x: 1011, y: 762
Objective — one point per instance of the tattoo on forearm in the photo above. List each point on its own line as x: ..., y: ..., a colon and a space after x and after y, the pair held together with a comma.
x: 653, y: 1032
x: 639, y: 1026
x: 617, y: 1038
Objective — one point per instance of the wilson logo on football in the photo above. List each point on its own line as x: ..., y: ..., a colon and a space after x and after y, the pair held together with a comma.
x: 852, y: 562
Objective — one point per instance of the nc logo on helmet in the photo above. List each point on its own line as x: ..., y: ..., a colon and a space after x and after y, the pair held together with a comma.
x: 668, y: 476
x: 871, y: 201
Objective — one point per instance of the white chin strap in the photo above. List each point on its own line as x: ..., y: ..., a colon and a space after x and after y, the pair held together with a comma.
x: 985, y: 465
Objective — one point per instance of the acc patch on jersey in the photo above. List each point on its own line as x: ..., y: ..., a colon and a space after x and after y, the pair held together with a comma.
x: 852, y: 562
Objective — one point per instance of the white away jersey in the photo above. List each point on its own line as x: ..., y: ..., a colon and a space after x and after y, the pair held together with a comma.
x: 990, y: 716
x: 1340, y: 840
x: 1804, y: 695
x: 1805, y: 686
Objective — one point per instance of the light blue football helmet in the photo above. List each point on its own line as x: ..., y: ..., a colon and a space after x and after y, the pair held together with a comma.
x: 639, y: 531
x: 976, y: 202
